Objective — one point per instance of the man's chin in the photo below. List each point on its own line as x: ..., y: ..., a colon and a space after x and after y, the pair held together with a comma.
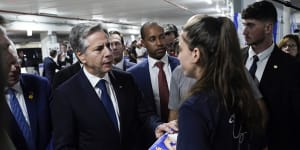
x: 10, y: 82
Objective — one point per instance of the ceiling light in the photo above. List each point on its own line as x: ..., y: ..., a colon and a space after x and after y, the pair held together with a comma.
x: 29, y: 32
x: 208, y: 2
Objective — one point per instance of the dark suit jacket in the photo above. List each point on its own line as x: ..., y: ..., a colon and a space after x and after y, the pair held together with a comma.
x: 38, y: 110
x: 67, y: 60
x: 127, y: 64
x: 49, y: 68
x: 81, y: 122
x: 141, y: 76
x: 279, y: 88
x: 65, y: 74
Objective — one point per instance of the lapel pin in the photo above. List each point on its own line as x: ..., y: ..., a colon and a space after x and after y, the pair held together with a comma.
x: 30, y: 96
x: 275, y: 67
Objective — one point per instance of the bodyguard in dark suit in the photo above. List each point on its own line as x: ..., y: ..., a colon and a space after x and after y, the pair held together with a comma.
x: 276, y: 73
x: 50, y: 66
x: 146, y: 72
x: 65, y: 74
x: 25, y: 113
x: 99, y: 108
x: 117, y: 46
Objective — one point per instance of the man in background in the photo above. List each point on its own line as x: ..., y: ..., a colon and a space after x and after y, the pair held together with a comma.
x: 171, y: 34
x: 276, y: 74
x: 153, y: 75
x: 117, y: 46
x: 50, y: 66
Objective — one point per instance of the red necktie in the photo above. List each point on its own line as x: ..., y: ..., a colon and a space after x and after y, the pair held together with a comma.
x: 163, y: 92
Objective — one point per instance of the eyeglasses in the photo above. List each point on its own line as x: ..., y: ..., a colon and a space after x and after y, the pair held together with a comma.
x: 289, y: 45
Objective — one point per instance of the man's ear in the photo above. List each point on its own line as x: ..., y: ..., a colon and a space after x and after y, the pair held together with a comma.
x: 196, y: 55
x: 81, y: 57
x: 142, y: 41
x: 269, y: 27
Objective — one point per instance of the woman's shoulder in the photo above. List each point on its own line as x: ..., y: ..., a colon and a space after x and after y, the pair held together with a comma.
x: 202, y: 101
x: 202, y: 97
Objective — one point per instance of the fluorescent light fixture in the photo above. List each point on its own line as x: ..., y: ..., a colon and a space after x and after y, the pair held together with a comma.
x: 29, y: 32
x: 218, y: 8
x: 99, y: 17
x: 49, y: 11
x: 208, y: 1
x: 49, y: 32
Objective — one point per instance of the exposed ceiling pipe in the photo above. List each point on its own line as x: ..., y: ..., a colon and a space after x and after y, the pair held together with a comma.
x: 181, y: 7
x: 287, y: 4
x: 67, y: 18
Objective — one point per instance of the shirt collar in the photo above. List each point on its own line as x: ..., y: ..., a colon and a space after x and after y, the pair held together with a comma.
x: 152, y: 61
x: 17, y: 87
x: 94, y: 79
x: 262, y: 55
x: 120, y: 64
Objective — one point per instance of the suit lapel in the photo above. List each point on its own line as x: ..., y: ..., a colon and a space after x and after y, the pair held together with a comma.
x: 124, y: 65
x: 172, y: 62
x: 271, y: 69
x: 31, y: 100
x: 118, y: 88
x: 95, y: 100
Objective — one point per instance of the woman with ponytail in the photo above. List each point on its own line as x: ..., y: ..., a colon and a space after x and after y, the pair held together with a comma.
x: 220, y: 112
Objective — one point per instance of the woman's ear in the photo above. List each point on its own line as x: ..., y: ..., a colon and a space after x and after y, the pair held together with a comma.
x: 196, y: 55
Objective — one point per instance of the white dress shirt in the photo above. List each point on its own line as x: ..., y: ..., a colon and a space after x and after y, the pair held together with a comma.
x: 262, y: 62
x: 94, y: 80
x: 154, y: 77
x: 20, y: 96
x: 120, y: 64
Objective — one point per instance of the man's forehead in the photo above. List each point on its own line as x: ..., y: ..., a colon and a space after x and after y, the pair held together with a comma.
x: 114, y: 37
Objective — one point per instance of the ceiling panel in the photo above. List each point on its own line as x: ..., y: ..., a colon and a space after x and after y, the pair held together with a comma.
x: 132, y: 12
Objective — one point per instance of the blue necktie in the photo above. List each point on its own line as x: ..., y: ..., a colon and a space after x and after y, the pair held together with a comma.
x: 107, y: 102
x: 253, y: 67
x: 19, y: 117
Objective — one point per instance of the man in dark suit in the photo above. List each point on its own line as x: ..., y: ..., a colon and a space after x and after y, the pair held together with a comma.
x: 99, y: 108
x: 65, y: 56
x: 5, y: 142
x: 275, y: 72
x: 50, y: 66
x: 117, y: 46
x: 146, y: 72
x: 65, y: 74
x: 25, y: 113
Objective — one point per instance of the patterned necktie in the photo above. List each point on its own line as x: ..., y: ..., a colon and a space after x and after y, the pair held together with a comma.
x: 163, y: 92
x: 20, y: 119
x: 107, y: 102
x: 253, y: 67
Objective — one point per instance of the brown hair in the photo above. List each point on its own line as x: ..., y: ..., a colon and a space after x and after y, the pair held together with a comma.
x: 223, y: 69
